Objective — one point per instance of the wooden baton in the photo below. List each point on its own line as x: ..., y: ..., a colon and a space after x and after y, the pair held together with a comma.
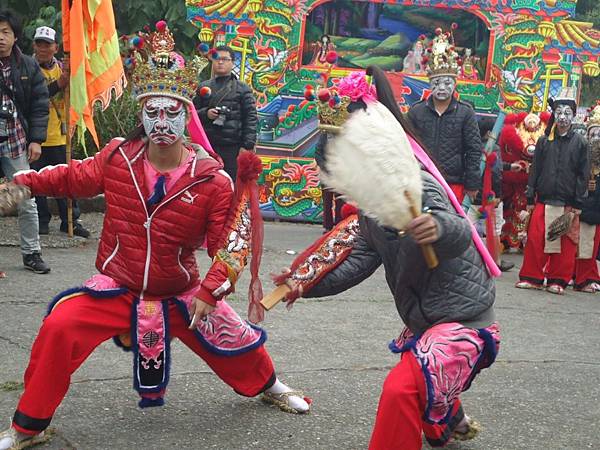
x: 275, y: 296
x: 428, y: 251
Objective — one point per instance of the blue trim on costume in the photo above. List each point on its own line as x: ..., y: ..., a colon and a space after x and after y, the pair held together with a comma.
x: 106, y: 293
x: 489, y: 352
x: 151, y: 402
x: 167, y: 350
x: 60, y: 296
x: 217, y: 351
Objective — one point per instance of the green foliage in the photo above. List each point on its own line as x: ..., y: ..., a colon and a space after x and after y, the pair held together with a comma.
x: 588, y: 11
x: 48, y: 14
x: 118, y: 120
x: 590, y: 91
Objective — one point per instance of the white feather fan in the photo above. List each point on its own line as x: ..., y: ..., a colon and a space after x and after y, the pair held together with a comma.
x: 371, y: 163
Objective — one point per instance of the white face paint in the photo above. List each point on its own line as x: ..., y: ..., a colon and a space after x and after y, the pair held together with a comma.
x: 442, y: 88
x: 563, y: 115
x: 164, y: 120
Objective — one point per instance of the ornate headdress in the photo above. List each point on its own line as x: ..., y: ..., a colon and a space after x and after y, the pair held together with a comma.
x: 333, y: 101
x: 593, y: 120
x: 441, y: 58
x: 159, y: 70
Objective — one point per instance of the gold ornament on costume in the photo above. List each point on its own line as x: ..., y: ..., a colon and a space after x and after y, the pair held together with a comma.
x: 159, y: 70
x: 441, y: 57
x: 333, y: 115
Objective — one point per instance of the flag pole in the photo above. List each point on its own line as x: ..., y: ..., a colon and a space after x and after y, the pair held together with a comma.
x: 68, y: 151
x: 68, y: 145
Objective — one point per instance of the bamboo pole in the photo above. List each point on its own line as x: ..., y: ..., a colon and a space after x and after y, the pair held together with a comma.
x: 68, y: 143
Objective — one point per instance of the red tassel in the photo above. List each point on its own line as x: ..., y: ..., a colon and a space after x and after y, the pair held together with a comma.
x: 249, y: 167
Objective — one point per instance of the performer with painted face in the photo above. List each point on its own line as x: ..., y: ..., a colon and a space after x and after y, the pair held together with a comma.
x: 557, y: 187
x: 165, y: 197
x: 447, y: 126
x: 587, y: 278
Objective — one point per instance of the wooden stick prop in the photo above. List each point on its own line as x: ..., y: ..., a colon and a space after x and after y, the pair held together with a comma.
x: 270, y: 300
x: 428, y: 251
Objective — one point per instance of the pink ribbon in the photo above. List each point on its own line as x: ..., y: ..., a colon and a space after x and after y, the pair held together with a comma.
x: 433, y: 170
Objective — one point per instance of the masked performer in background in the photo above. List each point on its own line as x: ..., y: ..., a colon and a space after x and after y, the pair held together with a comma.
x: 164, y: 197
x: 557, y: 187
x: 517, y: 145
x: 451, y: 332
x: 587, y: 278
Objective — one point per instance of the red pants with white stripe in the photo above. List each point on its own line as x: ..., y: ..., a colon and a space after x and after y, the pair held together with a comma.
x: 399, y: 424
x: 586, y: 270
x: 78, y: 325
x: 559, y: 267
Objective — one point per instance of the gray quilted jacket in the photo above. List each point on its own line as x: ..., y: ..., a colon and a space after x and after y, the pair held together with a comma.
x: 452, y: 138
x: 458, y: 290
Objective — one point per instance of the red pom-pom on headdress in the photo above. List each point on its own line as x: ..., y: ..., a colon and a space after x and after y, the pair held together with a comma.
x: 161, y: 26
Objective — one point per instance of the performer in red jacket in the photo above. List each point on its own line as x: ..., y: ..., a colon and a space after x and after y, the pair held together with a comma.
x: 164, y: 198
x: 517, y: 145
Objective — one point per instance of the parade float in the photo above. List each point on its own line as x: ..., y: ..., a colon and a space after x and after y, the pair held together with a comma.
x: 515, y: 55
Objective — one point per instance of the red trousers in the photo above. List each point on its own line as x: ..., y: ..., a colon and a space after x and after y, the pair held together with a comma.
x: 399, y: 424
x: 78, y: 325
x: 559, y: 267
x: 586, y: 270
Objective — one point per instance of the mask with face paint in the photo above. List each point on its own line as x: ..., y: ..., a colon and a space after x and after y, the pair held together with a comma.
x: 164, y: 120
x: 442, y: 87
x: 563, y: 116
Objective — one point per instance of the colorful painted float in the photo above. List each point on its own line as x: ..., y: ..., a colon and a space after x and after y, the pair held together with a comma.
x: 516, y: 54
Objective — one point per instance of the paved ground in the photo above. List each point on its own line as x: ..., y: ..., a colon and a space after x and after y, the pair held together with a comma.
x: 543, y: 391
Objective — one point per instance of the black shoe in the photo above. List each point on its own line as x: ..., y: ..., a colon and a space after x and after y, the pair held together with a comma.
x: 44, y: 229
x: 35, y: 263
x: 505, y: 266
x: 78, y: 230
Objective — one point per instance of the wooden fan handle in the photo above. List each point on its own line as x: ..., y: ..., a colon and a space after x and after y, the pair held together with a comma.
x: 428, y: 251
x: 275, y: 296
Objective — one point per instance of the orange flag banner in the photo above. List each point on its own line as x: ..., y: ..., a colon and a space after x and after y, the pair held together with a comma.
x: 90, y: 37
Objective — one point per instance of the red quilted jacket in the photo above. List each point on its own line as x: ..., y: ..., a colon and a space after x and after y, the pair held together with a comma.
x: 151, y: 253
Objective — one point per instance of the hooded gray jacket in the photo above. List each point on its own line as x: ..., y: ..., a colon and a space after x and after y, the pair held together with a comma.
x: 458, y: 290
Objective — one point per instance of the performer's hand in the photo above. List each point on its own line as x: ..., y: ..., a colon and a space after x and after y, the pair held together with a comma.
x: 472, y: 194
x: 592, y: 185
x: 514, y: 167
x: 423, y: 229
x: 212, y: 113
x: 34, y: 151
x: 199, y: 309
x: 296, y: 289
x: 530, y: 208
x: 576, y: 211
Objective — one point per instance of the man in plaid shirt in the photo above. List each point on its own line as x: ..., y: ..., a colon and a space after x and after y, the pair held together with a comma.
x: 23, y: 127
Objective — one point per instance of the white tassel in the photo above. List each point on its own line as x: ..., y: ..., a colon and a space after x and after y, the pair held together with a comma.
x: 370, y: 162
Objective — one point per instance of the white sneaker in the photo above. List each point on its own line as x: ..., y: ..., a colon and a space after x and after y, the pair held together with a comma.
x: 12, y: 440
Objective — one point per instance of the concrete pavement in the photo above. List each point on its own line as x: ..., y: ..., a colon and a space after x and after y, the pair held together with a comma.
x: 543, y: 391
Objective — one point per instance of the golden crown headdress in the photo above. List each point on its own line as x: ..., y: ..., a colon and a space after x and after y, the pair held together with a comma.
x: 441, y: 57
x: 159, y: 70
x: 594, y: 118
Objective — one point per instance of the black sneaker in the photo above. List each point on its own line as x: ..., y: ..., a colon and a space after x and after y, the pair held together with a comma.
x: 505, y: 266
x: 35, y: 263
x: 78, y: 230
x: 44, y: 229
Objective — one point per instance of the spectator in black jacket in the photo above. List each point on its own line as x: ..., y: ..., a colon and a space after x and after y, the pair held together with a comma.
x: 558, y: 183
x: 23, y: 127
x: 228, y: 113
x: 447, y: 126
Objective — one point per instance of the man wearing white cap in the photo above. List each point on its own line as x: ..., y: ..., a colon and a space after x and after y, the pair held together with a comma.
x: 54, y: 148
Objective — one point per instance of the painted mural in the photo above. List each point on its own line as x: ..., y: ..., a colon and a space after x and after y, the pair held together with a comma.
x: 516, y: 54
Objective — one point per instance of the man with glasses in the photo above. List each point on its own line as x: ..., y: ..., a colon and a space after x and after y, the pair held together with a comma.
x: 227, y: 111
